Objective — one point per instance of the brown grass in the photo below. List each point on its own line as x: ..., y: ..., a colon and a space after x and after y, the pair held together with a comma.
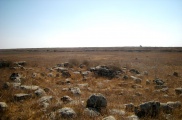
x: 158, y: 64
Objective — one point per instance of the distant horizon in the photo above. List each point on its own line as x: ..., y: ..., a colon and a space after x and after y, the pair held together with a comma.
x: 98, y: 23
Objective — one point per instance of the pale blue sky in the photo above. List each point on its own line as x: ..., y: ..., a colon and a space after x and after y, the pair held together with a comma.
x: 87, y: 23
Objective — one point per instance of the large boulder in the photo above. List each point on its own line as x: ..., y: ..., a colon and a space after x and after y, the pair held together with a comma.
x: 97, y: 101
x: 66, y: 113
x: 148, y: 109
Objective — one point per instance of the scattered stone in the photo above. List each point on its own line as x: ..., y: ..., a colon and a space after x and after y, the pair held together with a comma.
x: 60, y: 69
x: 66, y: 113
x: 165, y: 108
x: 148, y: 109
x: 178, y: 91
x: 160, y: 86
x: 15, y: 76
x: 116, y: 111
x: 7, y: 85
x: 91, y: 112
x: 135, y: 86
x: 45, y: 99
x: 65, y: 89
x: 66, y: 74
x: 125, y: 77
x: 132, y: 117
x: 40, y: 92
x: 134, y: 71
x: 31, y: 87
x: 97, y: 101
x: 66, y: 99
x: 129, y: 107
x: 174, y: 105
x: 157, y: 81
x: 137, y: 80
x: 148, y: 82
x: 3, y: 106
x: 22, y: 96
x: 22, y: 63
x: 75, y: 90
x: 109, y: 118
x: 145, y: 73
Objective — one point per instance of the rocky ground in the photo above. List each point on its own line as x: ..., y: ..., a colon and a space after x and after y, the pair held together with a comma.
x: 97, y: 85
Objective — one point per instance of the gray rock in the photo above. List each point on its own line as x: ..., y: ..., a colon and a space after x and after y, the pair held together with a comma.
x: 117, y: 112
x: 132, y: 117
x: 66, y: 99
x: 75, y: 90
x: 97, y: 101
x: 178, y: 91
x: 8, y: 85
x: 134, y: 71
x: 158, y: 81
x: 66, y: 113
x: 40, y: 92
x: 136, y: 80
x: 15, y: 77
x: 164, y: 107
x: 91, y: 112
x: 148, y: 109
x: 109, y: 118
x: 174, y: 105
x: 22, y: 96
x: 45, y: 99
x: 3, y: 106
x: 29, y: 87
x: 148, y: 82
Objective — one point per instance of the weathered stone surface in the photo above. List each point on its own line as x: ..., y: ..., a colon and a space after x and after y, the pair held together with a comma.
x: 158, y: 81
x: 15, y: 77
x: 109, y: 118
x: 22, y: 96
x: 136, y: 79
x: 116, y: 112
x: 45, y: 99
x: 66, y: 113
x: 132, y: 117
x: 178, y: 91
x: 148, y: 82
x: 164, y: 107
x: 29, y: 87
x: 97, y: 101
x: 66, y: 74
x: 66, y: 99
x: 8, y: 85
x: 148, y: 109
x: 3, y: 106
x: 75, y: 90
x: 91, y: 112
x: 174, y: 105
x: 134, y: 71
x: 40, y: 92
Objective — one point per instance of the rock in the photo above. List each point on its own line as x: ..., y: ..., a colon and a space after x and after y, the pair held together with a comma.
x: 158, y: 82
x: 15, y: 77
x: 129, y: 107
x: 60, y: 69
x: 22, y: 63
x: 164, y: 107
x: 178, y: 91
x: 174, y: 105
x: 132, y: 117
x: 175, y: 74
x: 40, y: 92
x: 75, y: 90
x: 85, y: 73
x: 136, y: 86
x: 134, y: 71
x: 66, y: 113
x: 97, y: 101
x: 31, y: 87
x: 145, y: 73
x: 136, y: 80
x: 148, y: 82
x: 45, y: 99
x: 66, y: 64
x: 91, y: 112
x: 109, y: 118
x: 3, y: 106
x: 125, y: 77
x: 7, y: 85
x: 66, y: 99
x: 22, y: 96
x: 117, y: 112
x: 148, y: 109
x: 66, y: 74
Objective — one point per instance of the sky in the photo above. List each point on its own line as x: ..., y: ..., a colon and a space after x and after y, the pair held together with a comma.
x: 90, y: 23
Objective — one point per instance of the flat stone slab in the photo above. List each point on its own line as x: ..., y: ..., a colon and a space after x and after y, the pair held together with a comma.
x: 3, y: 106
x: 45, y: 99
x: 22, y: 96
x: 31, y: 87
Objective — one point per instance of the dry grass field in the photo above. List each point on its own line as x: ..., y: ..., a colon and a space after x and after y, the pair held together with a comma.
x: 40, y: 70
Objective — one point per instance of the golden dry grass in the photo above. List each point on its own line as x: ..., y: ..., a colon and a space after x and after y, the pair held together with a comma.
x: 158, y: 64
